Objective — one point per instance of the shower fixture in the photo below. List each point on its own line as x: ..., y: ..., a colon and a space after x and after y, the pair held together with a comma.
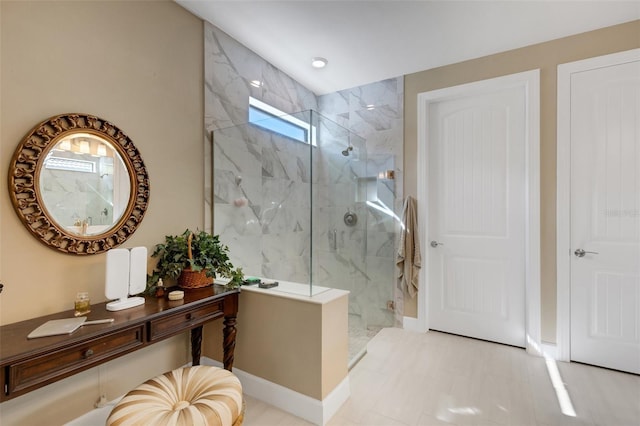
x: 347, y: 151
x: 350, y: 218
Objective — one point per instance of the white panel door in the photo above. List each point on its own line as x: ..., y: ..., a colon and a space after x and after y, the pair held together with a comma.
x: 476, y: 209
x: 605, y: 216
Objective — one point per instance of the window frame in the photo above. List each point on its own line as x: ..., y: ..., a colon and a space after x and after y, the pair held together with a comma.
x: 276, y: 114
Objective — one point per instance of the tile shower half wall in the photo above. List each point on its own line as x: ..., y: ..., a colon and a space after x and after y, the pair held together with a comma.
x: 260, y: 203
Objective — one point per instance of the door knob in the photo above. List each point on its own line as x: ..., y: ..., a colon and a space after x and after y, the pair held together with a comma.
x: 436, y: 244
x: 581, y: 253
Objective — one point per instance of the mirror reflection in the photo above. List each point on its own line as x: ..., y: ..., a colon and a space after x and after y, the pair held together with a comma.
x: 84, y: 184
x: 78, y: 184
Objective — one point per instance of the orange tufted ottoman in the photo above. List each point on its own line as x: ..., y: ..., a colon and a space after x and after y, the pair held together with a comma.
x: 197, y: 395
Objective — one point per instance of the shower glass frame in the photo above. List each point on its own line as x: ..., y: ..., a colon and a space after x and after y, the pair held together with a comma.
x: 313, y: 216
x: 272, y: 197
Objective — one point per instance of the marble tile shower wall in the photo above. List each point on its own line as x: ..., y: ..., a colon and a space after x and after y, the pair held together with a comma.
x: 374, y: 112
x: 229, y: 70
x: 261, y: 200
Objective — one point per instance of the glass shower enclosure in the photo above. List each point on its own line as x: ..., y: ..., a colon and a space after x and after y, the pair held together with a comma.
x: 298, y: 199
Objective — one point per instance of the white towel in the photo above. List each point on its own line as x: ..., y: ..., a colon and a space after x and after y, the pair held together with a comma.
x: 409, y: 260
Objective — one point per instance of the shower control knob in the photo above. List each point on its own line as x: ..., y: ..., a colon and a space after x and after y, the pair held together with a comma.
x: 350, y: 218
x: 435, y: 244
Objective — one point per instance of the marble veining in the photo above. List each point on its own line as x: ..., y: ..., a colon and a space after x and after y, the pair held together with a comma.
x: 279, y: 204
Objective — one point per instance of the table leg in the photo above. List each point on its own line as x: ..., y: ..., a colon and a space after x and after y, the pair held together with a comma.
x: 229, y: 333
x: 196, y: 345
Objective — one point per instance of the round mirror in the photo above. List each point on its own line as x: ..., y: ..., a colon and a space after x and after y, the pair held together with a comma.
x: 79, y: 184
x: 84, y: 184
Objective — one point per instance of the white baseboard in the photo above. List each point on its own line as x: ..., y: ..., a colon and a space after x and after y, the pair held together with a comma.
x: 303, y: 406
x: 312, y: 410
x: 97, y: 416
x: 338, y: 396
x: 412, y: 324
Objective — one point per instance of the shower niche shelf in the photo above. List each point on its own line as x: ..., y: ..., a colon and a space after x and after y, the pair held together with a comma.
x: 371, y: 188
x: 367, y: 189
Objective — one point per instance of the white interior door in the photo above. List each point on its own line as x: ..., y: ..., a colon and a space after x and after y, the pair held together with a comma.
x: 477, y: 198
x: 605, y: 216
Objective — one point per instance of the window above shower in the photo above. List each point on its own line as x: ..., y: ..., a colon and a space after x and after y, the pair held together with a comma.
x: 272, y: 119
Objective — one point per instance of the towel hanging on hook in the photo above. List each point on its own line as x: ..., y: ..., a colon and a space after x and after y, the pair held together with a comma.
x: 409, y: 259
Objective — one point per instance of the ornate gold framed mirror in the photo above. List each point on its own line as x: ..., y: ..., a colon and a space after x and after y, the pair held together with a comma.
x: 79, y: 184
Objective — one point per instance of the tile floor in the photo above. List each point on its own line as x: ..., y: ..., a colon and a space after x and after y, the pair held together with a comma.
x: 411, y: 379
x: 359, y: 336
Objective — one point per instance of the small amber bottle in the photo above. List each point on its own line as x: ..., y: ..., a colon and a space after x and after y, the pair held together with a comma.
x: 82, y: 304
x: 160, y: 288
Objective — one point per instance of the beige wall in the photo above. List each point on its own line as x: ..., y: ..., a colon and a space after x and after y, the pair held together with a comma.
x: 546, y: 57
x: 335, y: 343
x: 294, y: 343
x: 139, y: 65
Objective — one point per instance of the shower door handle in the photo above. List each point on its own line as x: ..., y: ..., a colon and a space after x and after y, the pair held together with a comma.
x: 333, y: 239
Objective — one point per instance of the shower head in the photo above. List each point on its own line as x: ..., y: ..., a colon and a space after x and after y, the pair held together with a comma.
x: 347, y: 151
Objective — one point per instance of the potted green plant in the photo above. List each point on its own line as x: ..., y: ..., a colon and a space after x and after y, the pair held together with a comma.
x: 193, y: 259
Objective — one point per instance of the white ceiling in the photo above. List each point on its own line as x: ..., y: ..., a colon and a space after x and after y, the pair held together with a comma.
x: 367, y: 41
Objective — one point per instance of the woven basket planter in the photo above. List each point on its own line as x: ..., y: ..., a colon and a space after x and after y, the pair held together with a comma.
x: 193, y: 279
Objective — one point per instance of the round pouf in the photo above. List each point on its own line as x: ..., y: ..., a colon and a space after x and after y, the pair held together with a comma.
x: 190, y: 396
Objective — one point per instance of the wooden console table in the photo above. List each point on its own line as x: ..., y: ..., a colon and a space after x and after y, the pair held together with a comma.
x: 29, y: 364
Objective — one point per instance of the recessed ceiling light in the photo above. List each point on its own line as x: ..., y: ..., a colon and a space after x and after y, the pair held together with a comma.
x: 319, y: 62
x: 371, y: 107
x: 256, y: 83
